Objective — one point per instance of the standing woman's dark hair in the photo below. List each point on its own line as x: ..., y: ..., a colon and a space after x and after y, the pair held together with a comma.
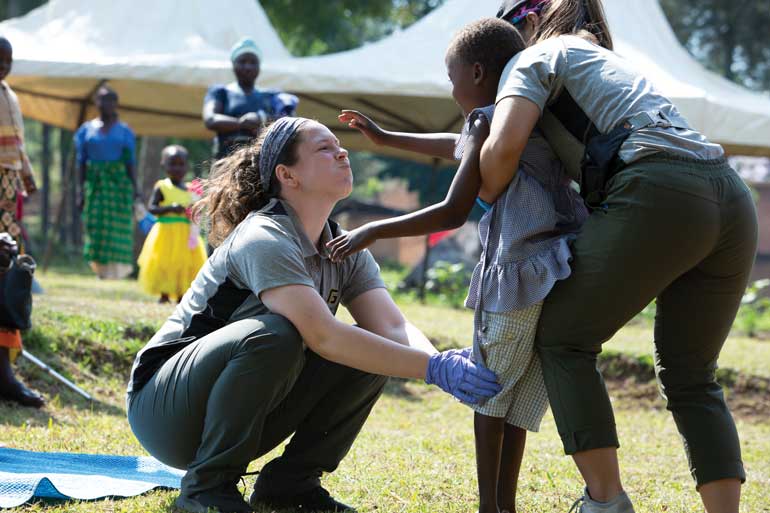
x: 579, y: 17
x: 234, y: 188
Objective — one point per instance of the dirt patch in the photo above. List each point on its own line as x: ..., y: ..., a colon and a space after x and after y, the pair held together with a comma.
x: 747, y: 397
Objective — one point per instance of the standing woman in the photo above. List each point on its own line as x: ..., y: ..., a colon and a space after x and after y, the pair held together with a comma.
x: 105, y: 156
x: 671, y: 222
x: 16, y: 181
x: 237, y: 111
x: 253, y: 352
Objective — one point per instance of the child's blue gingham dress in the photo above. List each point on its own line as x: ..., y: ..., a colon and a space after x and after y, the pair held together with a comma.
x: 525, y: 240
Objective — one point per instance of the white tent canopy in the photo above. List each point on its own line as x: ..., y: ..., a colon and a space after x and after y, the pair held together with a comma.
x: 406, y: 71
x: 160, y: 57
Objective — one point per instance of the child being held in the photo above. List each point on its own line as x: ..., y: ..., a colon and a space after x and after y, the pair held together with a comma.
x: 525, y: 237
x: 173, y: 252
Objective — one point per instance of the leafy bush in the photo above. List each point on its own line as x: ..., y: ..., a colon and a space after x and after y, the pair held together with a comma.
x: 448, y: 283
x: 754, y: 315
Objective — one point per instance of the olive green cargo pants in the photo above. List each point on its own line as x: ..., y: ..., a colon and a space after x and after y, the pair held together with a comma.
x: 680, y: 231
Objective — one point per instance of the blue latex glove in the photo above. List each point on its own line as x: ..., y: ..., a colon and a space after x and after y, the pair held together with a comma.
x: 465, y: 351
x: 457, y: 375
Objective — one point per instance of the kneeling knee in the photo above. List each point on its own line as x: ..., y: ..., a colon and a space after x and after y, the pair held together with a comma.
x: 278, y: 337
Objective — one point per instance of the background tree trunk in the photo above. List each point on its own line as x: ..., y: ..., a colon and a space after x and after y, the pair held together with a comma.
x: 148, y: 171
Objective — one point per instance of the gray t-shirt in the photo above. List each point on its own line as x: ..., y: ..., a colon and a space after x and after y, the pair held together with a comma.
x: 608, y: 89
x: 268, y: 249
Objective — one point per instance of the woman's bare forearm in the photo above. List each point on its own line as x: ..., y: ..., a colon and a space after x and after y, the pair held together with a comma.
x: 340, y: 342
x: 515, y: 118
x: 222, y: 123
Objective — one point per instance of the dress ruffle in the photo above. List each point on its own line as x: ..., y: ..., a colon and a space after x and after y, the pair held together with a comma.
x: 520, y: 284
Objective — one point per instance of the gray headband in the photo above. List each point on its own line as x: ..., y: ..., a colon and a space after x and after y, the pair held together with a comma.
x: 272, y: 146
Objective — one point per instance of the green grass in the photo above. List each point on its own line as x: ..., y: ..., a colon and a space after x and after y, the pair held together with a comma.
x: 415, y: 453
x: 745, y: 354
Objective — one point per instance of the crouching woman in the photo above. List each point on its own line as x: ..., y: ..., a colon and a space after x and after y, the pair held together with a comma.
x: 253, y: 352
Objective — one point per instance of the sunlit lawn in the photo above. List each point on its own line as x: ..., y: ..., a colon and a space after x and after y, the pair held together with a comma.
x: 415, y: 453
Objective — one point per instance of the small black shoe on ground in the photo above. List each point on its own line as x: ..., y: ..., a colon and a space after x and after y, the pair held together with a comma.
x: 225, y: 499
x: 315, y: 500
x: 22, y: 395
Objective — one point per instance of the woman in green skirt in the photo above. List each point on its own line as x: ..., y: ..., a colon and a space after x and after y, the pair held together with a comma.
x: 105, y: 153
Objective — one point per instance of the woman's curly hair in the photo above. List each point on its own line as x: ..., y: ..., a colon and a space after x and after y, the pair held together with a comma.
x: 234, y: 188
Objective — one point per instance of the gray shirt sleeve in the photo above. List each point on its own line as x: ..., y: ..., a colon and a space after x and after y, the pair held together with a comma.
x: 266, y: 258
x: 361, y: 274
x: 533, y: 73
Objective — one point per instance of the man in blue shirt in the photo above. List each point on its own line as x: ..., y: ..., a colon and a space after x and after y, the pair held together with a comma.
x: 238, y: 110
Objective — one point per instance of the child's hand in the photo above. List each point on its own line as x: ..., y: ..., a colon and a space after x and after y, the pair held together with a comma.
x: 351, y: 242
x: 456, y: 374
x: 366, y: 126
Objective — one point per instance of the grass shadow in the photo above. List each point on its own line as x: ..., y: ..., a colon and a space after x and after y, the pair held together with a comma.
x: 397, y: 387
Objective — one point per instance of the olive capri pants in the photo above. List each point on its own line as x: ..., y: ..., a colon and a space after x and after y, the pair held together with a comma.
x: 235, y: 394
x: 684, y: 232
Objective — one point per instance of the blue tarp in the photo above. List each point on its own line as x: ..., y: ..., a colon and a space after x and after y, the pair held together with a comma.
x: 48, y: 475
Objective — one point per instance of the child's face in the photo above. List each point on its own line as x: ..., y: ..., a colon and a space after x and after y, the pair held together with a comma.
x: 466, y: 88
x: 176, y: 166
x: 6, y: 59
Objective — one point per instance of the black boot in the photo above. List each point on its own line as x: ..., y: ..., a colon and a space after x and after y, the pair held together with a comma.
x: 314, y: 500
x: 12, y: 389
x: 225, y: 498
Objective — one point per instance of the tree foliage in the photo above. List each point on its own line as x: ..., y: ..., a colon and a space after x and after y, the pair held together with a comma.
x: 12, y: 8
x: 314, y: 27
x: 730, y: 37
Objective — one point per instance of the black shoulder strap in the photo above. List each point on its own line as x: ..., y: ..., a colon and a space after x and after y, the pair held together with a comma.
x: 569, y: 113
x: 334, y: 227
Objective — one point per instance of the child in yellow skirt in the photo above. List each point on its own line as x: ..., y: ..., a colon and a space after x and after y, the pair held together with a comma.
x: 173, y: 252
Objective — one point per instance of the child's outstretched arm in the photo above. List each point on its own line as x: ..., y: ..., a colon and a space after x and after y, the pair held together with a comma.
x: 440, y: 145
x: 450, y: 213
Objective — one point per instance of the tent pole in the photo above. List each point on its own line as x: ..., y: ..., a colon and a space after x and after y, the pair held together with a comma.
x: 426, y: 255
x: 46, y: 171
x: 69, y: 174
x: 61, y: 226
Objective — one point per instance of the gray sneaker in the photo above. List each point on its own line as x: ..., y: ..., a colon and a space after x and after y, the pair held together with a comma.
x: 619, y: 504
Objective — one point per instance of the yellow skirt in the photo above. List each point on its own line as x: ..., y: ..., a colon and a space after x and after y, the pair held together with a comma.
x: 166, y: 264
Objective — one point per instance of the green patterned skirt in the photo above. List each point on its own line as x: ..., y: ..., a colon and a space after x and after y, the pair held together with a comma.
x: 108, y: 214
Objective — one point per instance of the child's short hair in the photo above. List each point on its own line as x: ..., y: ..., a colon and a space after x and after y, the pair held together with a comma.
x: 170, y: 150
x: 489, y: 41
